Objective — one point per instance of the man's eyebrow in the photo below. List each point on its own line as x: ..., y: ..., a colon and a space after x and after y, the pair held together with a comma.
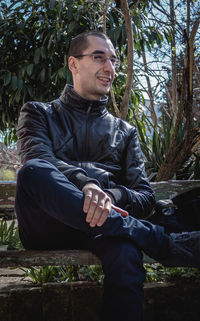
x: 102, y: 52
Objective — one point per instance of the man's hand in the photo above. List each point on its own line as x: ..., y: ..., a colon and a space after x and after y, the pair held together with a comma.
x: 97, y: 205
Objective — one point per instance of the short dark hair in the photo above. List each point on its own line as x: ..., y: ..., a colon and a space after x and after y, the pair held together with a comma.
x: 80, y: 42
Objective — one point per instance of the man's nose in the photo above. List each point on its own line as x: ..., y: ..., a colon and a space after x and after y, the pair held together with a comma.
x: 108, y: 66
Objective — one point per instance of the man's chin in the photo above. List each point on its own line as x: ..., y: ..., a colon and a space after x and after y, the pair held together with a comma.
x: 101, y: 92
x: 105, y: 91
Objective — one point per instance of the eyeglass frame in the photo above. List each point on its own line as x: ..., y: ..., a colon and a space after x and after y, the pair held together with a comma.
x: 115, y: 65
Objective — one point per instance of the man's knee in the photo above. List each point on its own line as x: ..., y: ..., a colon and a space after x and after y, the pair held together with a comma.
x: 121, y: 258
x: 130, y: 262
x: 33, y: 164
x: 33, y: 169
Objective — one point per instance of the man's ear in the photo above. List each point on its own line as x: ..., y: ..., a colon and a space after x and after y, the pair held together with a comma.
x: 73, y: 64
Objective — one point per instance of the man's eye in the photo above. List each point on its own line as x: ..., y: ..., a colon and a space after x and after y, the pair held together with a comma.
x: 98, y: 57
x: 113, y: 61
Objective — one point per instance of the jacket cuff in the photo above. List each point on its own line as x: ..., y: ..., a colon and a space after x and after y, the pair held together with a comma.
x: 80, y: 180
x: 119, y: 195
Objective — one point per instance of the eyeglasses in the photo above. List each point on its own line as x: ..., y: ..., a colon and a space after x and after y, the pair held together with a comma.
x: 101, y: 59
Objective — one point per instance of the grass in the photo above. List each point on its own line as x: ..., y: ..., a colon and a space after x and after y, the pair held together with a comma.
x: 159, y: 273
x: 9, y: 235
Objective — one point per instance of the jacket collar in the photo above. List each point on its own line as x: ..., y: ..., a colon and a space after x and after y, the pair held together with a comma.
x: 70, y: 98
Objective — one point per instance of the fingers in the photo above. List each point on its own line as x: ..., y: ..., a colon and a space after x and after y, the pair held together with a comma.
x: 97, y: 205
x: 95, y: 209
x: 99, y: 218
x: 87, y: 200
x: 98, y: 210
x: 120, y: 210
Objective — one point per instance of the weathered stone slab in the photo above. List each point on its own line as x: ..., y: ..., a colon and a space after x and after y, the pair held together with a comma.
x: 4, y: 308
x: 27, y: 258
x: 10, y: 272
x: 56, y: 302
x: 174, y: 302
x: 25, y: 304
x: 170, y: 189
x: 45, y: 258
x: 81, y: 301
x: 86, y: 301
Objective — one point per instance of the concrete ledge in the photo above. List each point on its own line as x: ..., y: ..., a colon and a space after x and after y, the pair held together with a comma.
x: 172, y: 302
x: 81, y: 301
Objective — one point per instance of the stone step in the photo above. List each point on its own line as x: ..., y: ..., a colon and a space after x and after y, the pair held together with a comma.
x: 81, y: 301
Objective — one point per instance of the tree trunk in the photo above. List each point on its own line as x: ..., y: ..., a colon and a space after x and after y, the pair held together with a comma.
x: 129, y: 80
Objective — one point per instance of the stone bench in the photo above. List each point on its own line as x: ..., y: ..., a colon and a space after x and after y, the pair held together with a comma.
x: 163, y: 190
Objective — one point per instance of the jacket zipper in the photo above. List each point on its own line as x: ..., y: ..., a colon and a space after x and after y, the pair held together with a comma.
x: 87, y: 132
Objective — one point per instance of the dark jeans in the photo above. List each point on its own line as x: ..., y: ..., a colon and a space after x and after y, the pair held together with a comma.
x: 50, y: 216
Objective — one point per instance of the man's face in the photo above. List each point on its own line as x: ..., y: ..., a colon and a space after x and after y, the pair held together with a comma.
x: 92, y: 80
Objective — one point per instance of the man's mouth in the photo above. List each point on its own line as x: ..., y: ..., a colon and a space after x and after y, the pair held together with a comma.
x: 105, y: 80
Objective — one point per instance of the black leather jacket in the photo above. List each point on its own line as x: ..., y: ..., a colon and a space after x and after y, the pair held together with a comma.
x: 86, y: 143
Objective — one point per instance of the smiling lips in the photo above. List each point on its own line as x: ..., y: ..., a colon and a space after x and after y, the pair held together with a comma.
x: 105, y: 80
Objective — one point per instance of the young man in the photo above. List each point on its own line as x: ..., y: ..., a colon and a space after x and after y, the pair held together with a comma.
x: 83, y: 183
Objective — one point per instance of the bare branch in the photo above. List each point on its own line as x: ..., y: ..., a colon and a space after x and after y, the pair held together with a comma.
x: 116, y: 109
x: 166, y: 14
x: 150, y: 93
x: 105, y: 14
x: 135, y: 6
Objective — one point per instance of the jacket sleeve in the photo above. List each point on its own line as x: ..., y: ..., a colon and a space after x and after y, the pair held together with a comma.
x: 135, y: 193
x: 34, y: 142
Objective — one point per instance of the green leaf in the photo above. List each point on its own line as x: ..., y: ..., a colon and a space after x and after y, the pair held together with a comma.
x: 68, y: 77
x: 43, y: 52
x: 30, y: 91
x: 14, y: 82
x: 7, y: 78
x: 29, y: 69
x: 58, y: 35
x: 117, y: 33
x: 70, y: 4
x: 17, y: 96
x: 79, y: 13
x: 42, y: 75
x: 60, y: 7
x: 134, y: 29
x: 148, y: 46
x: 136, y: 20
x: 61, y: 73
x: 37, y: 56
x: 142, y: 44
x: 71, y: 27
x: 19, y: 83
x: 51, y: 40
x: 52, y: 4
x: 22, y: 71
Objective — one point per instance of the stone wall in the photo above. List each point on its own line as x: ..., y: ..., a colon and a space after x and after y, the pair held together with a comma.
x: 81, y: 301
